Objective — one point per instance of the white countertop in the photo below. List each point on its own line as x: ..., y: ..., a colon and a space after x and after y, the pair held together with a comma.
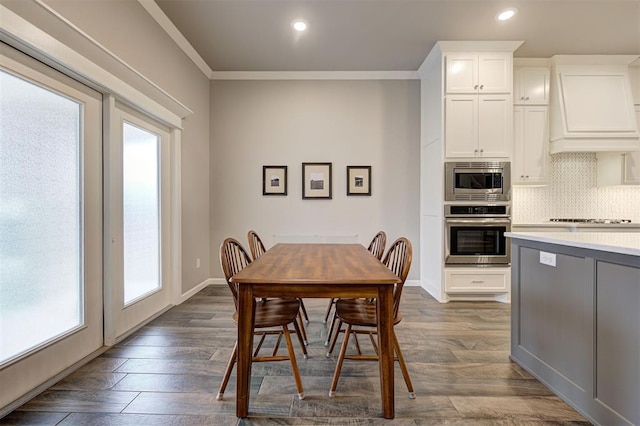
x: 614, y: 242
x: 576, y: 225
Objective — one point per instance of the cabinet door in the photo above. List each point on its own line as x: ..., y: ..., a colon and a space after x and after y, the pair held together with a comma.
x: 530, y: 146
x: 632, y: 168
x: 517, y: 165
x: 631, y: 172
x: 461, y: 125
x: 462, y: 73
x: 494, y: 73
x: 531, y: 86
x: 495, y: 130
x: 535, y: 145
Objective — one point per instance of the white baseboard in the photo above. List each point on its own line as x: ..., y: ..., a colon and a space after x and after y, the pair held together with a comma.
x: 197, y: 288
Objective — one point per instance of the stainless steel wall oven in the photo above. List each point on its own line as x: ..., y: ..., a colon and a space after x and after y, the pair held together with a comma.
x: 477, y: 181
x: 474, y: 235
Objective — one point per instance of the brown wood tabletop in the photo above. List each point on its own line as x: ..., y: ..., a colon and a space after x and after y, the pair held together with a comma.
x: 315, y: 270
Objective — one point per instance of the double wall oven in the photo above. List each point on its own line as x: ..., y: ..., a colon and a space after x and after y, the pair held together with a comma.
x: 474, y: 231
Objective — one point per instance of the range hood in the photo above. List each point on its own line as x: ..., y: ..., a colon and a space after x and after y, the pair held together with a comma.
x: 592, y: 106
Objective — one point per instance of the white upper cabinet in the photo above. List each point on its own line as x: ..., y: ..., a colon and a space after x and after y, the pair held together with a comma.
x: 530, y: 164
x: 478, y: 126
x: 631, y: 175
x: 478, y: 73
x: 531, y: 85
x: 616, y: 168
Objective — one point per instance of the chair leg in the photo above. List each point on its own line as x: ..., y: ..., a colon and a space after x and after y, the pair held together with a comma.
x: 331, y: 329
x: 335, y: 333
x: 297, y: 327
x: 403, y: 367
x: 227, y: 372
x: 294, y: 364
x: 326, y: 316
x: 343, y: 352
x: 304, y: 311
x: 303, y: 330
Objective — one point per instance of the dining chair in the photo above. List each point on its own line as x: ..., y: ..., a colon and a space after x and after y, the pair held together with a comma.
x: 376, y: 248
x: 272, y: 317
x: 360, y: 316
x: 256, y: 246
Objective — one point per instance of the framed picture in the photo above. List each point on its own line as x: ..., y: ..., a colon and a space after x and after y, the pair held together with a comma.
x: 274, y: 180
x: 358, y: 180
x: 316, y: 181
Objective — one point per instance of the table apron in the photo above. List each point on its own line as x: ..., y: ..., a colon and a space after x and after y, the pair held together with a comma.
x: 315, y: 290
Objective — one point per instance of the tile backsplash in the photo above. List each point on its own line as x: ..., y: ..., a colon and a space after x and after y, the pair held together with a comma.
x: 572, y: 193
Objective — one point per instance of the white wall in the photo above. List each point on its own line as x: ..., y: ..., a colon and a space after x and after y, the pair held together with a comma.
x: 572, y: 193
x: 357, y: 122
x: 128, y: 31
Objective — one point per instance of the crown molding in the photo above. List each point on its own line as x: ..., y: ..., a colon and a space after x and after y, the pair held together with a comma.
x: 172, y: 31
x: 315, y: 75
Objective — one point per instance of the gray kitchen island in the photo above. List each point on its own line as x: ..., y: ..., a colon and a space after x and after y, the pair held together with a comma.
x: 575, y: 319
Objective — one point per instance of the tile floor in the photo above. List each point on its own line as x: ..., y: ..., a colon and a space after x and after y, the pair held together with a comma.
x: 169, y: 371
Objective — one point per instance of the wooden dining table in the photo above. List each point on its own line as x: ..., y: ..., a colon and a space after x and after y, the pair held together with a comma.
x: 320, y: 271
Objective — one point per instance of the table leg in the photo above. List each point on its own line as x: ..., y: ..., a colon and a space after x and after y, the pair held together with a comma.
x: 385, y: 344
x: 246, y: 311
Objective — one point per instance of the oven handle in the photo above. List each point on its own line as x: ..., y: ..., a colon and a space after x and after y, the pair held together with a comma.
x: 493, y: 221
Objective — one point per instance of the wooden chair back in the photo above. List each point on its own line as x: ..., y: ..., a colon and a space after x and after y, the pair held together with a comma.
x: 233, y: 259
x: 398, y: 259
x: 255, y: 244
x: 376, y: 246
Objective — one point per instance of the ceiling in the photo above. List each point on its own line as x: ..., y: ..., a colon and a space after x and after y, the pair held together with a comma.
x: 392, y: 35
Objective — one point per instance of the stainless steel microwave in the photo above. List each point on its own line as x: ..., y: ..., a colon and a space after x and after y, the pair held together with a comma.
x: 477, y: 181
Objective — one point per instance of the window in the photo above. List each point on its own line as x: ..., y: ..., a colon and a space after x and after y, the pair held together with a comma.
x: 41, y: 252
x: 141, y: 214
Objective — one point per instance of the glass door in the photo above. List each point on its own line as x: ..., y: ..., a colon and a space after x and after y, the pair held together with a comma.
x: 139, y: 205
x: 50, y: 223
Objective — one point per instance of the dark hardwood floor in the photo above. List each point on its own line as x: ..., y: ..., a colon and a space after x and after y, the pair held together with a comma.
x: 169, y: 371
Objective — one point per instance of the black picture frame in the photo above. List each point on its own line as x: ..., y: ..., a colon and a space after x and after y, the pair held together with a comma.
x: 274, y: 180
x: 317, y: 181
x: 359, y: 180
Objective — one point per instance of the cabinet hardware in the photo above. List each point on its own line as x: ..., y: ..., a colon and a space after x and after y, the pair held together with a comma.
x: 481, y: 86
x: 475, y: 87
x: 526, y: 99
x: 477, y: 282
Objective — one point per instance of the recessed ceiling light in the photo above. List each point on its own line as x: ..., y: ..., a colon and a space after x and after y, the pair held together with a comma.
x: 506, y: 14
x: 300, y: 25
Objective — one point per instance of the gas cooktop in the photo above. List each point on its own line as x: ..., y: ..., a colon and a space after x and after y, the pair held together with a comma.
x: 599, y: 221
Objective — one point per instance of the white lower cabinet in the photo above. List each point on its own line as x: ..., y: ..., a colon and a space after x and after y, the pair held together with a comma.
x: 478, y: 280
x: 531, y: 146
